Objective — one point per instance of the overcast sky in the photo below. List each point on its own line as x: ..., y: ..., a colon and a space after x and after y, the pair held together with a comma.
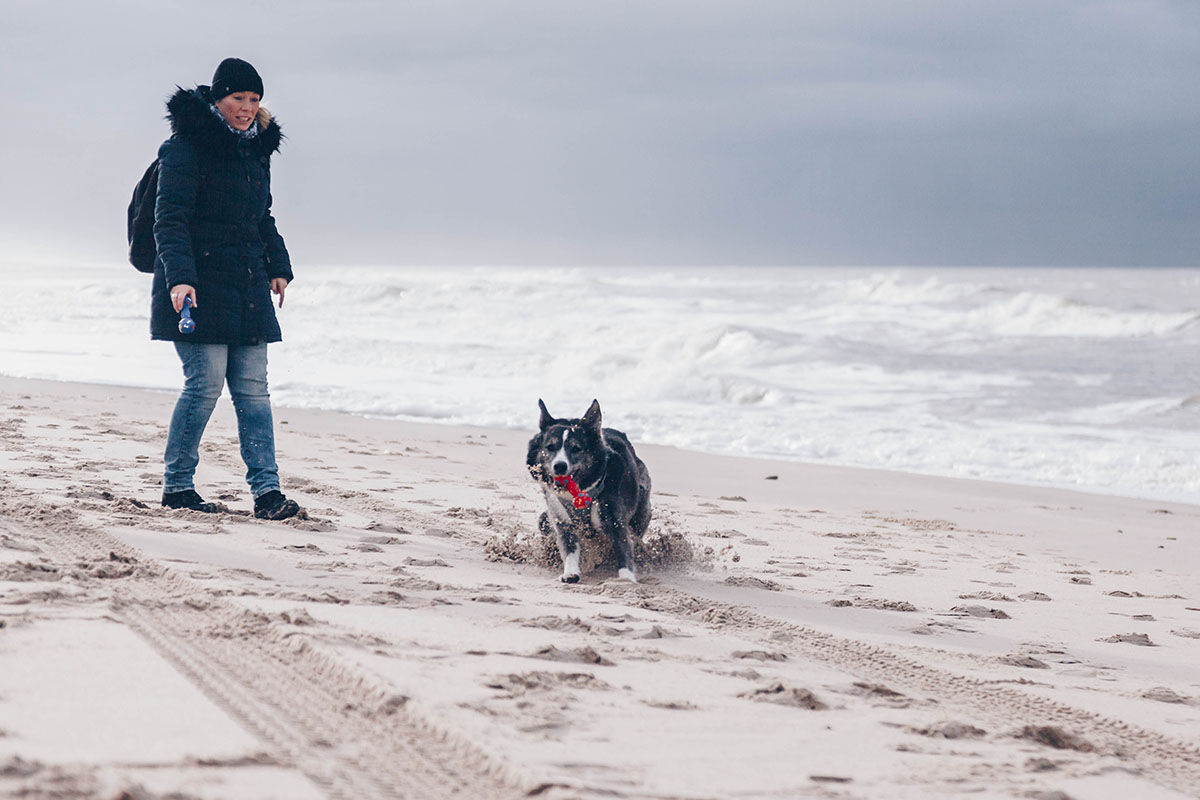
x: 558, y: 132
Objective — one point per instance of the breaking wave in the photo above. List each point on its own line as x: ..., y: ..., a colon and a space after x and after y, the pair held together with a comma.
x: 984, y: 373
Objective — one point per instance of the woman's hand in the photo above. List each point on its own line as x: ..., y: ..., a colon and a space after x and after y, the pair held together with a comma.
x: 180, y: 291
x: 279, y: 286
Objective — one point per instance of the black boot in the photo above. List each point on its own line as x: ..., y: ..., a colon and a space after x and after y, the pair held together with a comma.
x: 273, y: 505
x: 189, y: 499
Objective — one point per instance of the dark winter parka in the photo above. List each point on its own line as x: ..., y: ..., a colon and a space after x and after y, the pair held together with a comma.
x: 213, y: 227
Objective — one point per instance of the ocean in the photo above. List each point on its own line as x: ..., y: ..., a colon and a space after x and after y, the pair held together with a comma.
x: 1080, y: 378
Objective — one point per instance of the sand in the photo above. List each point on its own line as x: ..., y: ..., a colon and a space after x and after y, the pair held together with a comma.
x: 799, y: 630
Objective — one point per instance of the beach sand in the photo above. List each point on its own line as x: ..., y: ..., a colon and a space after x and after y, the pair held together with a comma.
x: 799, y: 630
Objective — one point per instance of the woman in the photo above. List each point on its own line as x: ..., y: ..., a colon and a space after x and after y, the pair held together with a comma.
x: 217, y: 246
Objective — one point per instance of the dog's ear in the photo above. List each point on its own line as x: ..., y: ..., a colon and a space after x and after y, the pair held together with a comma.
x: 592, y: 418
x: 546, y: 421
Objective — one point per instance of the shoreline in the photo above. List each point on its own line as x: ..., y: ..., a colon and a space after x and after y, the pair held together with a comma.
x: 903, y: 636
x: 763, y: 461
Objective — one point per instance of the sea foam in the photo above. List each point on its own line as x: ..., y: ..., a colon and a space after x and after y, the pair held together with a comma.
x: 1084, y: 378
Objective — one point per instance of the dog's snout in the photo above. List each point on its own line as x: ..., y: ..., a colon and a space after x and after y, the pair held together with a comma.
x: 559, y: 467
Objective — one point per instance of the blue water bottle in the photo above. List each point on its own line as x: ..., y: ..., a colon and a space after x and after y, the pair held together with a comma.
x: 186, y: 323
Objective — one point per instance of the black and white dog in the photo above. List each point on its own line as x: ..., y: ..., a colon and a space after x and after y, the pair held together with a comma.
x: 591, y: 477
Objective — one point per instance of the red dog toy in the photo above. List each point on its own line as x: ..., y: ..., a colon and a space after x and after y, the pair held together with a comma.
x: 582, y: 500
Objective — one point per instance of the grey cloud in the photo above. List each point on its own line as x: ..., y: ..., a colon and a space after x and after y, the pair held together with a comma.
x: 543, y: 132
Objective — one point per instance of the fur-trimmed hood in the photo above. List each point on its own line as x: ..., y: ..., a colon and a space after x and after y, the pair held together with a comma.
x: 190, y: 114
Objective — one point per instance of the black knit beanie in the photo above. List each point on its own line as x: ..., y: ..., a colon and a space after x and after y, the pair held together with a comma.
x: 235, y: 75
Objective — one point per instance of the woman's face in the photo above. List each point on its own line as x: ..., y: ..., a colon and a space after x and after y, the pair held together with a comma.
x: 239, y: 109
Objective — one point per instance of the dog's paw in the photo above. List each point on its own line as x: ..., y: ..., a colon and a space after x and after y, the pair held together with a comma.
x: 627, y: 575
x: 572, y: 578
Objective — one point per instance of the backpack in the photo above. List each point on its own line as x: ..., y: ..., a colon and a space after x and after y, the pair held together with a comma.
x: 140, y: 225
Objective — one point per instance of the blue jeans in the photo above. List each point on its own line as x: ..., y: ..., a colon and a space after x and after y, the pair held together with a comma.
x: 206, y: 369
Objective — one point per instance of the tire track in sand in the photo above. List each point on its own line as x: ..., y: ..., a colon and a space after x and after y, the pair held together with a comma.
x: 1170, y: 762
x: 351, y: 735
